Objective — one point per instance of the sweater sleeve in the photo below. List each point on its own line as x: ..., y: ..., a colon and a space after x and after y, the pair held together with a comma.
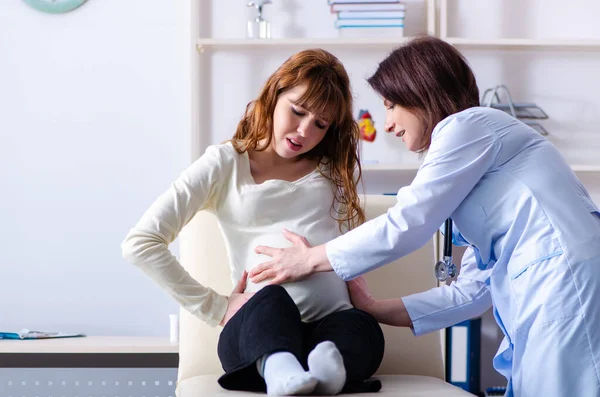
x: 147, y: 244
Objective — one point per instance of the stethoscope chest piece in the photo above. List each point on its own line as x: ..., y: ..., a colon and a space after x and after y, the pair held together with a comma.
x: 445, y: 268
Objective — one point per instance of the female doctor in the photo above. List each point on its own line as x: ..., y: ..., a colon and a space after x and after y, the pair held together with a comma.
x: 532, y: 230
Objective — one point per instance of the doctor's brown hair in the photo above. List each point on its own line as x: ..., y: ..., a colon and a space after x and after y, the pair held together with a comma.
x: 328, y: 95
x: 428, y: 77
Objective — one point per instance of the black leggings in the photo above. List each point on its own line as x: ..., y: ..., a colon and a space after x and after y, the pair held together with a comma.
x: 270, y: 322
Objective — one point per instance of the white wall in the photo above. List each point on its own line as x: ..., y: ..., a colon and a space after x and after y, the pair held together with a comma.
x: 94, y: 124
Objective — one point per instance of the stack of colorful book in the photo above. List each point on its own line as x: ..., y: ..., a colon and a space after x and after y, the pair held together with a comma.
x: 363, y: 17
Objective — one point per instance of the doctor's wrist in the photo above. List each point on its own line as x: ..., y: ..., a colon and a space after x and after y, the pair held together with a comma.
x: 317, y: 259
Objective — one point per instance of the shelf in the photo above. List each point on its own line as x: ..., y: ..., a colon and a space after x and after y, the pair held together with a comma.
x: 391, y: 167
x: 554, y: 44
x: 386, y: 41
x: 90, y: 344
x: 339, y: 42
x: 579, y: 168
x: 585, y: 168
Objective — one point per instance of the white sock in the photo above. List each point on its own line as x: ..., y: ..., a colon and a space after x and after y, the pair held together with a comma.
x: 326, y: 364
x: 285, y: 376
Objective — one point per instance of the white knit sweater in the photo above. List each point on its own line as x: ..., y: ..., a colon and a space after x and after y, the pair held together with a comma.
x: 249, y: 214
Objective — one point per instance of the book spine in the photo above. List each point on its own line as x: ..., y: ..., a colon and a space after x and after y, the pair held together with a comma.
x: 371, y: 15
x: 368, y: 7
x: 369, y: 23
x: 361, y: 1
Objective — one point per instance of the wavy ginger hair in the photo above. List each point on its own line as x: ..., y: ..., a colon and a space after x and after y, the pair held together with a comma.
x: 328, y: 95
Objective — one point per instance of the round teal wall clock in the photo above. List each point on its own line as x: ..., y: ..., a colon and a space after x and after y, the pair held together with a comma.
x: 55, y: 6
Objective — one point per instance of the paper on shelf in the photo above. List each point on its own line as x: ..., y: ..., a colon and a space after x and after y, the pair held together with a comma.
x: 27, y: 334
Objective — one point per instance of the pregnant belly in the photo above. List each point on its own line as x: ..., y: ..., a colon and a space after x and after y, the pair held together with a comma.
x: 316, y: 296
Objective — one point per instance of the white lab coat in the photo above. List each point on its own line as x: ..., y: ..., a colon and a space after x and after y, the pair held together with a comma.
x: 534, y: 237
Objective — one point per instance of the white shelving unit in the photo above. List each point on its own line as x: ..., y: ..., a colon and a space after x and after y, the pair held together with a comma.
x: 435, y: 26
x: 341, y: 42
x: 205, y: 46
x: 91, y: 344
x: 524, y: 44
x: 390, y: 167
x: 519, y: 44
x: 585, y: 168
x: 413, y: 168
x: 511, y: 44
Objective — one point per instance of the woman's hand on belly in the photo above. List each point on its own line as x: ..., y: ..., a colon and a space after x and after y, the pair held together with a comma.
x: 237, y: 299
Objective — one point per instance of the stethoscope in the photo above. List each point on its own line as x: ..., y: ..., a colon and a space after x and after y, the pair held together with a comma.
x: 445, y: 268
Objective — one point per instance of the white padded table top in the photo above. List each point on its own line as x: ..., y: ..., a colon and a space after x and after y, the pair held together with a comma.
x: 392, y: 386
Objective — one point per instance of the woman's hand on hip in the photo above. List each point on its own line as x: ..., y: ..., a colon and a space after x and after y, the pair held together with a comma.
x: 237, y: 299
x: 385, y: 311
x: 360, y: 295
x: 290, y: 264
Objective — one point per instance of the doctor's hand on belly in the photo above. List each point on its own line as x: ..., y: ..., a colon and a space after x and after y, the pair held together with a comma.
x: 288, y: 264
x: 237, y: 299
